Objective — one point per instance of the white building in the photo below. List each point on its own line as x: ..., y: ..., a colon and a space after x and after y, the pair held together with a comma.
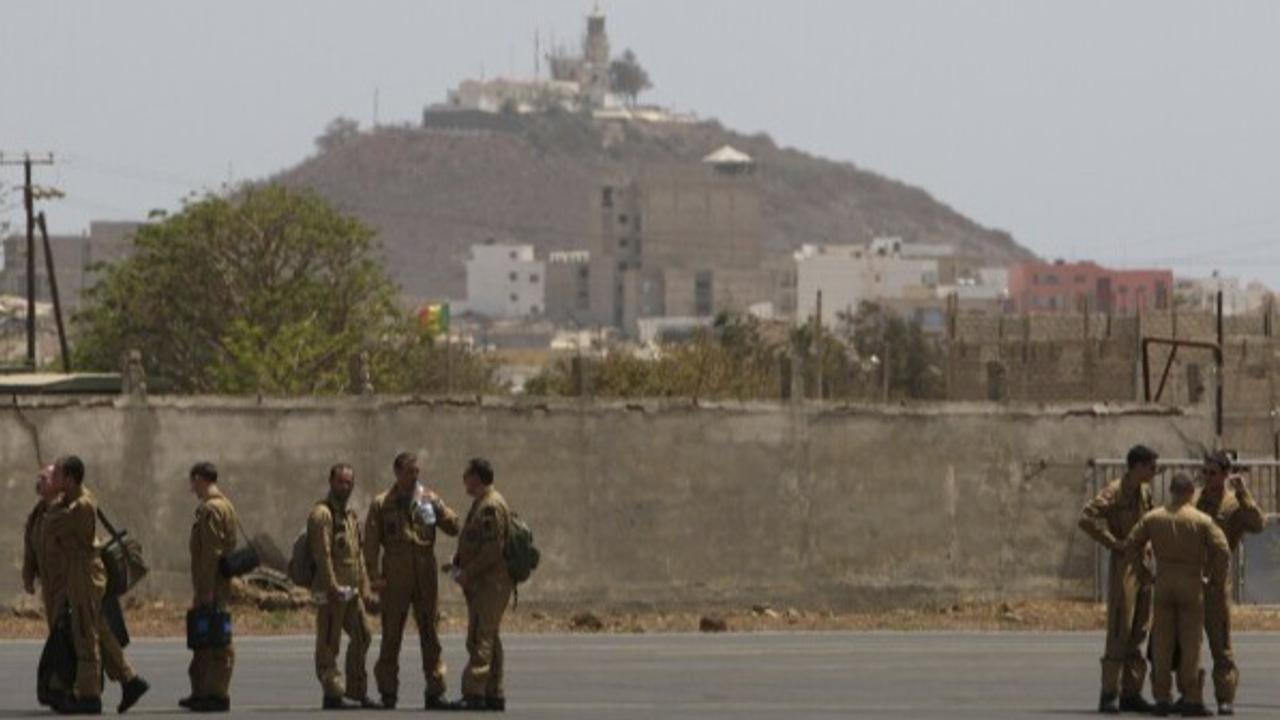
x: 505, y: 281
x: 848, y: 275
x: 1201, y: 294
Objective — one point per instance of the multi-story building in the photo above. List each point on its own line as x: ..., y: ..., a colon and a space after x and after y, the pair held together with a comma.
x: 886, y: 269
x: 505, y: 281
x: 1061, y: 287
x: 75, y: 259
x: 679, y: 240
x: 1201, y: 294
x: 568, y: 287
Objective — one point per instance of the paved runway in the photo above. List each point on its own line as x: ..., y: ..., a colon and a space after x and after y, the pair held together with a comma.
x: 801, y: 675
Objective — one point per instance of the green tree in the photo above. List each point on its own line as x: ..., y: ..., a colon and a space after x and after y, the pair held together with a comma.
x: 337, y: 133
x: 266, y: 291
x: 627, y: 77
x: 900, y: 348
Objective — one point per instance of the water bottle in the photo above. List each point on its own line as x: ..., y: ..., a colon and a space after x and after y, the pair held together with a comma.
x: 426, y: 511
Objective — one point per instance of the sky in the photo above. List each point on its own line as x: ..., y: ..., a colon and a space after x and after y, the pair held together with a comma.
x: 1137, y: 133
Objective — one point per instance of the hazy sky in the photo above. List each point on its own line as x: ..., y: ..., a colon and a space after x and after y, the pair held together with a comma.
x: 1134, y: 133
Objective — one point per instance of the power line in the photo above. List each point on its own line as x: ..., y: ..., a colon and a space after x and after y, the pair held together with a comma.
x: 28, y: 202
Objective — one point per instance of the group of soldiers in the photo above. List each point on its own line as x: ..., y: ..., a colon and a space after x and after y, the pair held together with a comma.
x: 1191, y: 540
x: 388, y: 561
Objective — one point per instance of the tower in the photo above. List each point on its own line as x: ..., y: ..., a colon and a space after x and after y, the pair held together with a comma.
x: 595, y: 59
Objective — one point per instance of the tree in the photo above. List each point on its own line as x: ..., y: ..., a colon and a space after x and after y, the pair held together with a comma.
x: 266, y: 291
x: 337, y: 133
x: 898, y: 347
x: 627, y: 77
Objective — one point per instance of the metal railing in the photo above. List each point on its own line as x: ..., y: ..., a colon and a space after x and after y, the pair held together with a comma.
x: 1262, y: 477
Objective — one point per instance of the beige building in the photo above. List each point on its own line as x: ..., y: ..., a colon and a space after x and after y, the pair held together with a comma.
x: 679, y: 240
x: 75, y: 258
x: 568, y: 287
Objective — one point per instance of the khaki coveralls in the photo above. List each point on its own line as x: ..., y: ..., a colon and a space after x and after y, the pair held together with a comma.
x: 212, y: 535
x: 1188, y: 547
x: 488, y: 590
x: 1235, y: 514
x: 1108, y: 519
x: 34, y: 564
x: 333, y: 532
x: 77, y: 581
x: 400, y: 550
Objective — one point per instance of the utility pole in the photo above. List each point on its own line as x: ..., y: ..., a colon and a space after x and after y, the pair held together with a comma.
x: 28, y: 202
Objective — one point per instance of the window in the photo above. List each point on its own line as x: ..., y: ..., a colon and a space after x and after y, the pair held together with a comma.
x: 1080, y: 279
x: 512, y: 254
x: 533, y: 310
x: 512, y: 276
x: 622, y: 219
x: 1050, y: 279
x: 702, y: 293
x: 515, y: 298
x: 622, y: 242
x: 1035, y: 279
x: 606, y: 197
x: 533, y: 278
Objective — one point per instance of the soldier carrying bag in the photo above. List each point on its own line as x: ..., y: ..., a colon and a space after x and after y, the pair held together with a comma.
x: 240, y: 561
x: 122, y: 558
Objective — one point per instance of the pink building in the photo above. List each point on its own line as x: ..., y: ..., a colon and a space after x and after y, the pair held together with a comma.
x: 1060, y: 287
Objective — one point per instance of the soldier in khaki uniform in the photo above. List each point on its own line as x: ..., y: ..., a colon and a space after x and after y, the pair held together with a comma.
x: 399, y: 551
x: 71, y: 553
x: 212, y: 535
x: 481, y: 569
x: 1188, y: 547
x: 1236, y: 513
x: 34, y: 565
x: 333, y: 531
x: 1108, y: 519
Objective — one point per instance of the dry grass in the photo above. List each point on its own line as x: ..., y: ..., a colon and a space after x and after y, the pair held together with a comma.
x: 158, y: 619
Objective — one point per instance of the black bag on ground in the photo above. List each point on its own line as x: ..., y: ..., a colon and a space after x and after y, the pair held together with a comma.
x: 208, y: 627
x: 57, y: 659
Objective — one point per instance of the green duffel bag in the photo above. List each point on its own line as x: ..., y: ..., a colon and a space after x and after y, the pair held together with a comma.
x: 122, y: 557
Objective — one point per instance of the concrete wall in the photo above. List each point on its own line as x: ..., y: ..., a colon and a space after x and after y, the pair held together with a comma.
x: 636, y: 504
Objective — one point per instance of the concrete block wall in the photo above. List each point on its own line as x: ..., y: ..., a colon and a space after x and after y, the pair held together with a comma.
x: 640, y: 505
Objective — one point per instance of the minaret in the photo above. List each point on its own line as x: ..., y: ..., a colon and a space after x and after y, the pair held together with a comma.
x: 595, y: 56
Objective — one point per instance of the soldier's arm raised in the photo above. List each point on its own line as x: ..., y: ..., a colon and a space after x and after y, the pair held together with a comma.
x: 447, y: 519
x: 1093, y: 521
x: 1217, y: 554
x: 320, y: 540
x: 1248, y: 516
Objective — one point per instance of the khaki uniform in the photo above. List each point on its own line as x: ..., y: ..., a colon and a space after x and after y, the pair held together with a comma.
x: 1108, y: 519
x: 78, y: 582
x: 333, y: 532
x: 212, y: 535
x: 400, y: 550
x: 1235, y: 514
x: 34, y: 562
x: 488, y: 589
x: 1188, y: 547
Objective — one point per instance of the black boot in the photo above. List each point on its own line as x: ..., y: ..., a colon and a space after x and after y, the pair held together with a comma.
x: 1195, y: 710
x: 1107, y: 704
x: 210, y: 704
x: 436, y: 702
x: 366, y: 703
x: 186, y: 701
x: 131, y: 692
x: 337, y: 703
x: 472, y: 702
x: 80, y: 706
x: 389, y: 701
x: 1163, y: 709
x: 496, y: 704
x: 1135, y: 703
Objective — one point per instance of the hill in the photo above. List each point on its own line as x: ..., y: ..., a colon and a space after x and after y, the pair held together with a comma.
x: 433, y: 192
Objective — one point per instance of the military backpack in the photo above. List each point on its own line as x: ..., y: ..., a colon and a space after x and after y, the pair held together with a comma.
x: 521, y: 554
x: 302, y: 567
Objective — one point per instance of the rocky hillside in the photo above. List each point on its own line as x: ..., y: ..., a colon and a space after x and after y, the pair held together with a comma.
x: 431, y: 193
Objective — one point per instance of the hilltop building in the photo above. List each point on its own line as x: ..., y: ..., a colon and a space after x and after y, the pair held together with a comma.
x: 505, y: 281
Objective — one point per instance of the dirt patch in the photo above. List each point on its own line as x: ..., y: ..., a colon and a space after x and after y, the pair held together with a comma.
x: 160, y: 619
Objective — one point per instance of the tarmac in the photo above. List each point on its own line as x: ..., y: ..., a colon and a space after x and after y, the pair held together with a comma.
x: 741, y: 676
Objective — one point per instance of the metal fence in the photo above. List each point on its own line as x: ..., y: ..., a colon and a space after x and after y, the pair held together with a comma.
x: 1262, y: 477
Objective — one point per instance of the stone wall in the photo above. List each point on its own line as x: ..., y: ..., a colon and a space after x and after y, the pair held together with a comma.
x: 637, y: 504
